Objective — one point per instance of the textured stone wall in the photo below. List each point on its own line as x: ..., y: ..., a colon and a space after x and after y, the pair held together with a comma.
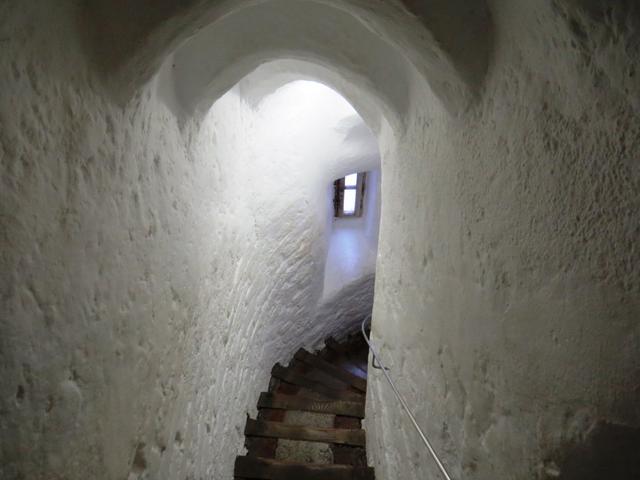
x: 135, y: 293
x: 508, y: 282
x: 152, y: 271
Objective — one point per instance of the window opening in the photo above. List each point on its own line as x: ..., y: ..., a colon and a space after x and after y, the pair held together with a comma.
x: 349, y: 204
x: 349, y: 195
x: 351, y: 180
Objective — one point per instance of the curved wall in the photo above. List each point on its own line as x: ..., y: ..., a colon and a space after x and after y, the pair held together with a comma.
x: 507, y: 280
x: 133, y: 40
x: 155, y: 269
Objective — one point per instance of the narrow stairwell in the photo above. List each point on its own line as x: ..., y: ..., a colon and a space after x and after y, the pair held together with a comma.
x: 309, y: 423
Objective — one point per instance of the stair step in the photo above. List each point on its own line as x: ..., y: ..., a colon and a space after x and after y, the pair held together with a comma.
x: 263, y: 468
x: 339, y: 354
x: 320, y: 376
x: 299, y: 379
x: 337, y: 372
x: 346, y: 364
x: 346, y: 408
x: 349, y: 455
x: 342, y: 436
x: 261, y: 446
x: 336, y: 346
x: 285, y: 388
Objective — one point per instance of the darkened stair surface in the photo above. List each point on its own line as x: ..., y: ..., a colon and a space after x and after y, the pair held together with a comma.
x: 309, y: 423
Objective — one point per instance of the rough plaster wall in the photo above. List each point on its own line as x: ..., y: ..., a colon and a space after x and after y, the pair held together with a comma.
x: 147, y: 287
x: 506, y: 296
x: 107, y: 246
x: 342, y: 312
x: 133, y: 40
x: 372, y: 208
x: 508, y: 306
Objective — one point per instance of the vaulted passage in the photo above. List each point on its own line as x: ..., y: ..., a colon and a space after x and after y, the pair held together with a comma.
x: 173, y: 224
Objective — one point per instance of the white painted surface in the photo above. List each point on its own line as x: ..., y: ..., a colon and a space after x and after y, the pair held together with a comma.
x: 353, y: 243
x: 154, y: 272
x: 349, y: 257
x: 140, y: 312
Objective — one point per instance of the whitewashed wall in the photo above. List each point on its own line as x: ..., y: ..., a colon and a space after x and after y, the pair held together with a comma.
x: 507, y: 283
x: 153, y: 272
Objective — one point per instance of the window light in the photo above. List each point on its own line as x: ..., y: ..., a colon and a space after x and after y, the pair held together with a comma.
x: 348, y: 195
x: 349, y: 206
x: 351, y: 180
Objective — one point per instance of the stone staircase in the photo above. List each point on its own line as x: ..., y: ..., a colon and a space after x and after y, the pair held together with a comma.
x: 309, y: 423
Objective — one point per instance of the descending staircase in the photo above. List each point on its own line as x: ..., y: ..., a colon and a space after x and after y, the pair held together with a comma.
x: 309, y: 423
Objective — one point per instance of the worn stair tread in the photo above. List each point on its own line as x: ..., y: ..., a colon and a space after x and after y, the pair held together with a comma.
x: 336, y: 371
x: 346, y: 408
x: 290, y: 376
x: 261, y: 446
x: 340, y: 436
x: 285, y: 388
x: 303, y: 393
x: 349, y: 455
x: 320, y: 376
x: 359, y: 348
x: 334, y: 345
x: 264, y: 468
x: 344, y: 362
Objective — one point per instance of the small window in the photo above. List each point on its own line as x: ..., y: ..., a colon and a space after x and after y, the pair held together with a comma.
x: 349, y: 193
x: 351, y: 180
x: 349, y: 203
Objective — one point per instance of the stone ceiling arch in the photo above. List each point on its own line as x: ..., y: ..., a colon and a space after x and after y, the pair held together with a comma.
x: 137, y: 39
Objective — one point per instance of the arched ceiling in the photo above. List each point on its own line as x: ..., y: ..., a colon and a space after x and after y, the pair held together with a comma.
x: 376, y: 44
x: 362, y: 65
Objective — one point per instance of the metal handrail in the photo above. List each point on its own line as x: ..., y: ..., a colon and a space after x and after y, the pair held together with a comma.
x: 385, y: 371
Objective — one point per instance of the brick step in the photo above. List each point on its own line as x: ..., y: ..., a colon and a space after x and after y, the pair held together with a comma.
x: 264, y: 468
x: 342, y: 356
x: 340, y: 436
x: 294, y: 377
x: 331, y: 369
x: 345, y: 408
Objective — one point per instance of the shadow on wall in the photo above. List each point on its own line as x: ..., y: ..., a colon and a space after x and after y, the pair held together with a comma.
x: 606, y: 37
x: 132, y: 42
x: 343, y: 312
x: 609, y: 451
